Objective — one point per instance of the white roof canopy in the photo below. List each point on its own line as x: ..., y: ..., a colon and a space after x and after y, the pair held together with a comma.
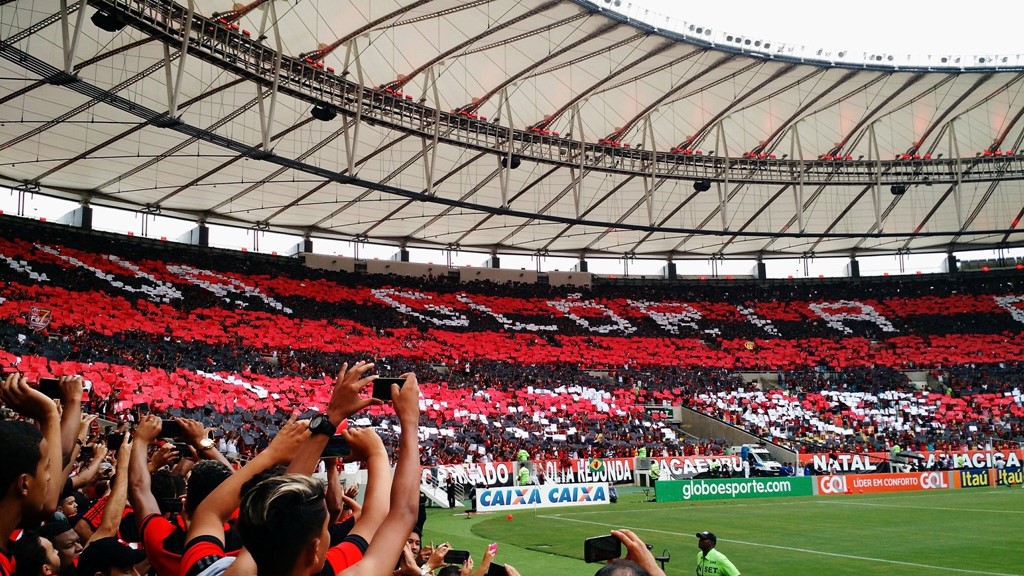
x: 603, y: 117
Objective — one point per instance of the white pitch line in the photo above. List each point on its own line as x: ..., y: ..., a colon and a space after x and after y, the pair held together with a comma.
x: 791, y: 549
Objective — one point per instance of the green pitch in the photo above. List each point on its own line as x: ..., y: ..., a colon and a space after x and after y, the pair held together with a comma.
x: 977, y: 531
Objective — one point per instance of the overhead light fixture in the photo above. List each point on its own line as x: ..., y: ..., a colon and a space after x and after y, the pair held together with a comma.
x: 323, y: 113
x: 702, y: 185
x: 516, y: 161
x: 898, y: 189
x: 107, y: 21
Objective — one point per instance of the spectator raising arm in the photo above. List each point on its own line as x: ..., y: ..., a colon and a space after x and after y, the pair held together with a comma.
x: 140, y: 482
x: 71, y: 388
x: 86, y: 475
x: 204, y: 446
x: 209, y: 518
x: 31, y: 403
x: 389, y: 541
x: 118, y: 495
x: 367, y: 446
x: 345, y: 401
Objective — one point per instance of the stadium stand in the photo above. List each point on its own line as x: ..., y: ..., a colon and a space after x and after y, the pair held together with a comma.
x: 239, y: 341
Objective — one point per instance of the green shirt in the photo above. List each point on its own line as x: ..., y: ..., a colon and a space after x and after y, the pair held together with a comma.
x: 715, y: 563
x: 522, y: 455
x: 524, y: 475
x: 641, y: 452
x: 655, y: 470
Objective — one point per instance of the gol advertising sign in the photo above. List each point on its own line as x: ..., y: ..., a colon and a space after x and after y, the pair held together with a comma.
x: 861, y: 483
x: 546, y: 496
x: 723, y: 489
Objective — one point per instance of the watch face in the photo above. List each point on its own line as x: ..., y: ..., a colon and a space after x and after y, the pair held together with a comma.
x: 321, y: 425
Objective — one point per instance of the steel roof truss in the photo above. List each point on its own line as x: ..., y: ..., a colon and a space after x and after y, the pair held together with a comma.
x: 876, y: 188
x: 723, y: 186
x: 352, y: 128
x: 650, y: 180
x: 796, y: 150
x: 577, y: 175
x: 505, y: 165
x: 954, y: 149
x: 70, y: 37
x: 430, y: 160
x: 174, y: 86
x: 267, y: 116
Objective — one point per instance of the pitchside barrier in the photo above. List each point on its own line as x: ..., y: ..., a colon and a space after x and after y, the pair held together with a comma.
x: 833, y: 485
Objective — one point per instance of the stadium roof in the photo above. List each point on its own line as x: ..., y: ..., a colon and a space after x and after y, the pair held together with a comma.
x: 524, y: 126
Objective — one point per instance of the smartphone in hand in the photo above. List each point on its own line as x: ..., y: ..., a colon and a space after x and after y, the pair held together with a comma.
x: 171, y: 429
x: 456, y: 557
x: 50, y: 387
x: 382, y: 387
x: 337, y: 447
x: 601, y: 548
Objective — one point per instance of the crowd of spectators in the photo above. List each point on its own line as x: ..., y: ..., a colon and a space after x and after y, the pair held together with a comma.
x: 159, y: 497
x: 554, y: 409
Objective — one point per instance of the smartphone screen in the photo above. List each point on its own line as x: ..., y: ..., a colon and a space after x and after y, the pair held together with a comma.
x: 170, y: 429
x: 601, y: 548
x: 114, y: 441
x: 496, y: 569
x: 50, y: 387
x: 457, y: 557
x: 337, y: 447
x: 382, y: 387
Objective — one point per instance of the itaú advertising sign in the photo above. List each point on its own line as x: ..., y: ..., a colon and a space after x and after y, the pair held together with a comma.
x: 861, y: 483
x: 546, y: 496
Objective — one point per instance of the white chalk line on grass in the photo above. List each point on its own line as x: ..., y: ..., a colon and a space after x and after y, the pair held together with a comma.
x: 789, y: 548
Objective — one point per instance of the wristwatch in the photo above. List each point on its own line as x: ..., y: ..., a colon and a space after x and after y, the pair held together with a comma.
x: 206, y: 444
x: 319, y: 424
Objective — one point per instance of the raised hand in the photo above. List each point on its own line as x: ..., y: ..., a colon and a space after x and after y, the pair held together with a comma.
x: 26, y: 400
x: 148, y: 428
x: 407, y: 400
x: 345, y: 399
x: 364, y: 442
x: 288, y: 440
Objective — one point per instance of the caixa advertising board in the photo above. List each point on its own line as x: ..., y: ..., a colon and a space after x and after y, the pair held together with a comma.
x: 865, y: 483
x: 544, y: 496
x: 728, y: 489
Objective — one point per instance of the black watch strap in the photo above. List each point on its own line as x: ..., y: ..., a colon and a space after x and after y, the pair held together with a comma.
x: 321, y: 425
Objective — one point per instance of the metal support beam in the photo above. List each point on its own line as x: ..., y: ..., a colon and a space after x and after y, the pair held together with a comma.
x: 430, y: 150
x: 70, y: 37
x: 504, y: 167
x: 577, y: 172
x: 175, y: 89
x: 796, y: 151
x: 954, y: 149
x: 876, y: 188
x: 267, y: 116
x: 650, y: 181
x: 722, y: 146
x: 352, y: 128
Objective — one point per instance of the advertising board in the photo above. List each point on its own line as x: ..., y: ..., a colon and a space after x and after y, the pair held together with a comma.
x: 544, y: 496
x: 726, y: 489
